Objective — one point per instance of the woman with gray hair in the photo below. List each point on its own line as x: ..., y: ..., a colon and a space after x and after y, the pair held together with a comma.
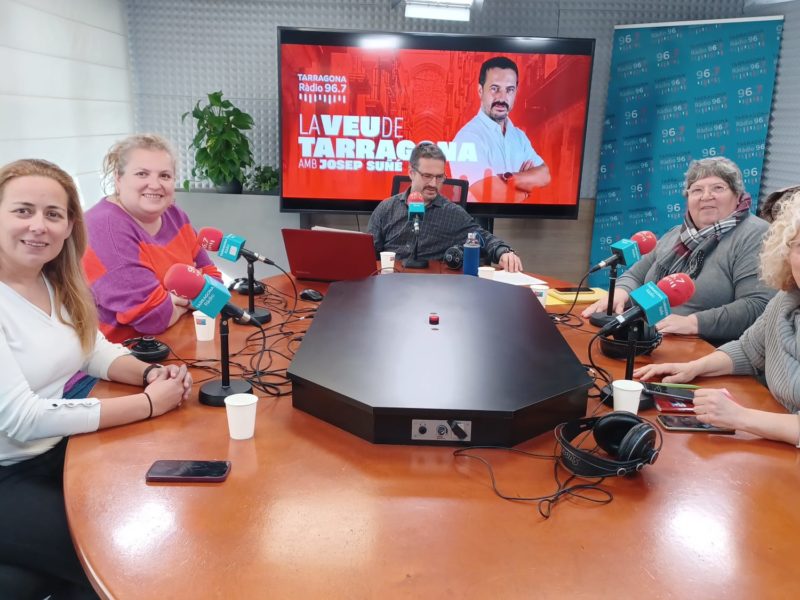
x: 717, y: 246
x: 769, y: 347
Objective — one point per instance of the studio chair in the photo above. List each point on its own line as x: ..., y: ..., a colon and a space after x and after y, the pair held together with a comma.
x: 455, y: 190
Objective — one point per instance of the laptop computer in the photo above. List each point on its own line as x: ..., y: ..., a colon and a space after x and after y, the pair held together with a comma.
x: 325, y: 255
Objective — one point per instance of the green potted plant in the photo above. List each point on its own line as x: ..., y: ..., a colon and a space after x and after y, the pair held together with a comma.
x: 222, y: 151
x: 262, y: 178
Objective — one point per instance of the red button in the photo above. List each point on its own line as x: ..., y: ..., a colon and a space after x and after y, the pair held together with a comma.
x: 433, y: 319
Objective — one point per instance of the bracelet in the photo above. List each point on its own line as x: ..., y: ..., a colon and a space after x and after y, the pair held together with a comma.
x: 150, y: 402
x: 147, y: 372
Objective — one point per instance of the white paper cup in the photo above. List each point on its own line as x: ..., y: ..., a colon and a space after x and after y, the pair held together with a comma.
x: 387, y: 262
x: 241, y: 409
x: 486, y: 272
x: 627, y: 394
x: 540, y: 291
x: 204, y: 326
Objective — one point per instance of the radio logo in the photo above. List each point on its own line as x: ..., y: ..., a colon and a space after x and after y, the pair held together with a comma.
x: 322, y: 89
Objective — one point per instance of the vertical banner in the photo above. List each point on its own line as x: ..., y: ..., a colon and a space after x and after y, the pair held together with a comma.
x: 679, y: 92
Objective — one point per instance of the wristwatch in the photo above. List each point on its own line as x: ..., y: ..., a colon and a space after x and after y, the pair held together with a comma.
x: 507, y: 176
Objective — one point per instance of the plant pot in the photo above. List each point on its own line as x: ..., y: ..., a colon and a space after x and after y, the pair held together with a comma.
x: 232, y: 187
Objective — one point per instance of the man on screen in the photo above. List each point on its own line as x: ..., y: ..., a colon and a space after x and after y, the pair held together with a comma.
x: 506, y: 167
x: 444, y: 224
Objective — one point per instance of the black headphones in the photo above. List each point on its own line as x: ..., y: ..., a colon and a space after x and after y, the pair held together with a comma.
x: 239, y: 285
x: 629, y: 440
x: 147, y: 348
x: 615, y: 345
x: 454, y: 257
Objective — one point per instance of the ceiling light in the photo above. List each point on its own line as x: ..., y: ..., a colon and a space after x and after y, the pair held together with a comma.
x: 444, y: 10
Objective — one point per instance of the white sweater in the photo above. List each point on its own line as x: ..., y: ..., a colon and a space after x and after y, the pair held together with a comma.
x: 38, y: 355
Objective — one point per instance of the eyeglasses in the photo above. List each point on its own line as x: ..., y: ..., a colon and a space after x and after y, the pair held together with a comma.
x: 427, y: 177
x: 715, y: 190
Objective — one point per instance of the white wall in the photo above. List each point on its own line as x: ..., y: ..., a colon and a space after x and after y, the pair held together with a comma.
x: 65, y: 92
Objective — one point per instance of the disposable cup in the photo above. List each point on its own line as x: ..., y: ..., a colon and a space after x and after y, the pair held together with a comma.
x: 627, y: 394
x: 387, y: 262
x: 540, y: 290
x: 204, y: 326
x: 486, y: 272
x: 241, y: 409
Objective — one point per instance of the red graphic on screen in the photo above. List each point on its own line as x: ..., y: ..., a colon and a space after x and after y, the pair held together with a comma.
x: 351, y: 117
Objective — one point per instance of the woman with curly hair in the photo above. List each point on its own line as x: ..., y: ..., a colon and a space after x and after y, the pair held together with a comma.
x: 769, y: 347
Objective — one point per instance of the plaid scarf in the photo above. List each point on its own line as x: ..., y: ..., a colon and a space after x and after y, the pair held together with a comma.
x: 694, y: 245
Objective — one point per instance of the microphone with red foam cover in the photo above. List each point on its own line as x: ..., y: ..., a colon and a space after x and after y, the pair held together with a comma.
x: 416, y: 209
x: 646, y: 241
x: 628, y: 251
x: 209, y: 238
x: 678, y: 287
x: 230, y: 247
x: 205, y: 293
x: 652, y: 301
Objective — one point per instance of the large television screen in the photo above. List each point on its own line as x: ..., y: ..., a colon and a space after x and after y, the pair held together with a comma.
x: 354, y: 104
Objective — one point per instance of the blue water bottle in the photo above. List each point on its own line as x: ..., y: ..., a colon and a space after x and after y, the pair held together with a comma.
x: 472, y: 254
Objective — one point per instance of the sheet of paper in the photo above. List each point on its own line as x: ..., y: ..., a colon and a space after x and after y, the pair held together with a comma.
x: 323, y: 228
x: 515, y: 278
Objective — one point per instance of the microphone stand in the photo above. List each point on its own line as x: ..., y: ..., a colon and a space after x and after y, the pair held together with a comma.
x: 260, y: 315
x: 607, y: 393
x: 599, y: 319
x: 213, y: 393
x: 413, y: 262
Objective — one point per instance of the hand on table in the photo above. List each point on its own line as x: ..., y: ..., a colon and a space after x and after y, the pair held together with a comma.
x: 510, y: 262
x: 180, y: 301
x: 165, y: 394
x: 674, y: 372
x: 678, y: 324
x: 177, y: 372
x: 620, y: 298
x: 717, y: 407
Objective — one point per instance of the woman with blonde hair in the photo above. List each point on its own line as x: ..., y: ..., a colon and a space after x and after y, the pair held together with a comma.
x: 769, y: 347
x: 135, y: 235
x: 48, y: 331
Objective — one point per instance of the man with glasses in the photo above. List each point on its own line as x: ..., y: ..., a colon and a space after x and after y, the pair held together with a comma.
x: 717, y: 245
x: 507, y: 166
x: 444, y: 225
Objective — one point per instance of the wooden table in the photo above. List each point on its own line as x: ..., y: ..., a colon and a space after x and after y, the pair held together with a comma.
x: 310, y: 511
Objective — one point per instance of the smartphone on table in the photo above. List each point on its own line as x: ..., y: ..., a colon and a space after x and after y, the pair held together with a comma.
x: 574, y: 290
x: 681, y: 393
x: 568, y: 294
x: 198, y: 471
x: 689, y: 423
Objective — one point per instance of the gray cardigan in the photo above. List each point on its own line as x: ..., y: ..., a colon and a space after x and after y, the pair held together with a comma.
x: 770, y: 346
x: 729, y: 295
